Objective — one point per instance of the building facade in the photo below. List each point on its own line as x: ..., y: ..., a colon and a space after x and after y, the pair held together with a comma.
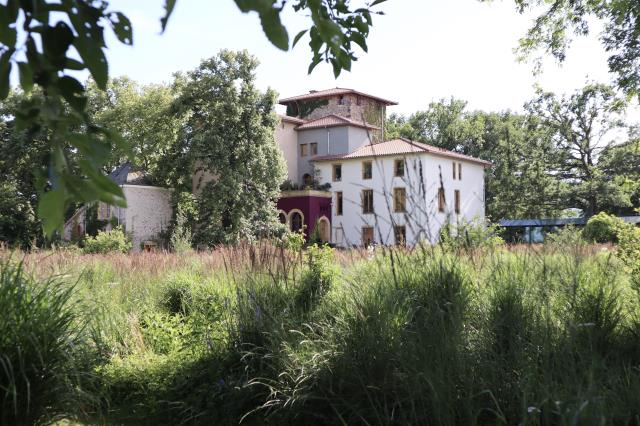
x: 347, y: 185
x: 375, y: 192
x: 147, y: 215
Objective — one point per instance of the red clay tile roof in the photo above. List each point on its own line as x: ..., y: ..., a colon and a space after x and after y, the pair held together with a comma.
x: 294, y: 120
x: 399, y: 146
x: 315, y: 94
x: 333, y: 120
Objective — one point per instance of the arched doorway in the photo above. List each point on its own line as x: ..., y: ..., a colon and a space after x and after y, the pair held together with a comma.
x: 296, y: 220
x: 324, y: 229
x: 282, y: 217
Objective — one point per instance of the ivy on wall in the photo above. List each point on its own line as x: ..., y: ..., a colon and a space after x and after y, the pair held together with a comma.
x: 372, y: 114
x: 303, y: 109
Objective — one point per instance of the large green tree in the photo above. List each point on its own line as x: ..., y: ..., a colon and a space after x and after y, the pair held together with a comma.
x: 143, y: 116
x: 582, y: 126
x: 47, y: 42
x: 620, y: 164
x: 228, y: 141
x: 559, y: 21
x: 519, y: 183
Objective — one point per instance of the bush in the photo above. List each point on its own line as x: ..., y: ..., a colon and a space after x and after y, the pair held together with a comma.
x: 602, y: 228
x: 318, y: 278
x: 114, y: 240
x: 181, y: 237
x: 629, y: 251
x: 470, y: 235
x: 293, y: 241
x: 39, y: 344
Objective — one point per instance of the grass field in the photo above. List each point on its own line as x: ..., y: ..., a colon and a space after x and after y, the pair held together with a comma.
x: 259, y: 335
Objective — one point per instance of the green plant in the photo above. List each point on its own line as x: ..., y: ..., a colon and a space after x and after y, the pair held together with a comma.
x: 629, y: 251
x: 181, y: 237
x: 40, y: 346
x: 567, y: 236
x: 603, y: 228
x: 470, y: 235
x: 317, y: 280
x: 113, y: 240
x: 293, y: 241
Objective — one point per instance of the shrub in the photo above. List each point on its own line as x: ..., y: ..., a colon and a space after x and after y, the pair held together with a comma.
x: 602, y: 228
x: 39, y: 340
x: 114, y: 240
x: 566, y: 238
x: 293, y: 241
x: 318, y: 278
x: 181, y: 235
x: 629, y: 251
x: 470, y: 235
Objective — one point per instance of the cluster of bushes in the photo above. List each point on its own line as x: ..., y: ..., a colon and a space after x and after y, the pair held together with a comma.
x: 604, y: 228
x: 470, y: 236
x: 405, y: 337
x: 114, y: 240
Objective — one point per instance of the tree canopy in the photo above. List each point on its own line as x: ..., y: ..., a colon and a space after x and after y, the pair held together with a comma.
x: 228, y: 140
x: 48, y: 43
x: 561, y: 20
x: 564, y: 152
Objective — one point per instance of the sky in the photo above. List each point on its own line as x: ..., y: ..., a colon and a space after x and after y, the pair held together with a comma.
x: 419, y: 51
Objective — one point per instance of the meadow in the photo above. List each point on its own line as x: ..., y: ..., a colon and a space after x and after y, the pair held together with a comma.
x: 256, y: 334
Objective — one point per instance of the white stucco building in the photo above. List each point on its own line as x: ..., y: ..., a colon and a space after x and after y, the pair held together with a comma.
x: 147, y: 215
x: 371, y: 192
x: 400, y: 191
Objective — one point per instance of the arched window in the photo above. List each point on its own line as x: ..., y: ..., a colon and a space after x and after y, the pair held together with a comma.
x: 282, y: 217
x: 296, y: 222
x: 307, y: 180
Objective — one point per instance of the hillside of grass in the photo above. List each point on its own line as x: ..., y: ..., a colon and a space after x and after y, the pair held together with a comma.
x: 256, y: 334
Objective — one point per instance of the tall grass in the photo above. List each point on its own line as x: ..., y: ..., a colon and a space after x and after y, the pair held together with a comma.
x: 255, y: 334
x: 40, y: 349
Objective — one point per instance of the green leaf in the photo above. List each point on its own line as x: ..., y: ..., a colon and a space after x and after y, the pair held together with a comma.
x: 314, y: 63
x: 26, y: 76
x: 298, y: 36
x: 375, y: 2
x: 359, y: 40
x: 106, y: 189
x: 122, y: 27
x: 94, y: 59
x: 51, y: 209
x: 116, y: 138
x: 270, y: 20
x: 273, y: 28
x: 168, y: 7
x: 8, y: 34
x: 72, y: 64
x: 5, y: 72
x: 73, y: 92
x: 55, y: 43
x: 336, y: 67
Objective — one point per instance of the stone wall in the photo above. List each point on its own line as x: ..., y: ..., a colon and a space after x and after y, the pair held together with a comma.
x: 148, y: 213
x: 351, y: 106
